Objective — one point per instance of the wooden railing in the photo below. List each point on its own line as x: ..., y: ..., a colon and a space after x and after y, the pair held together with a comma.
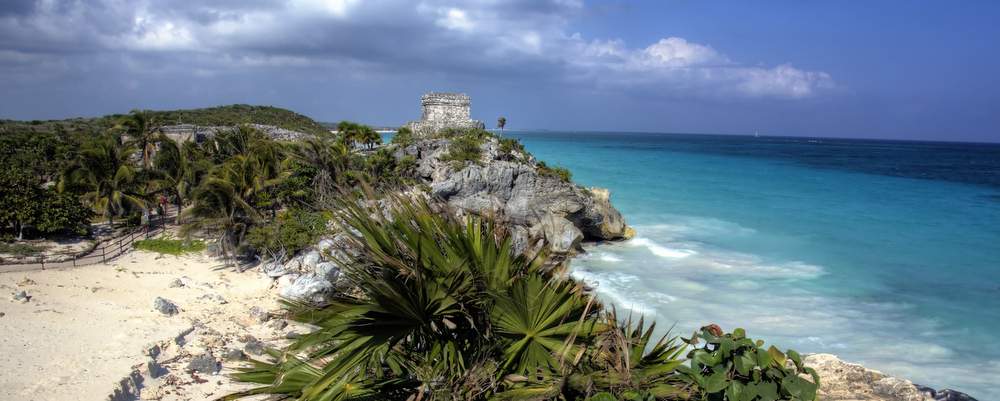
x: 104, y: 251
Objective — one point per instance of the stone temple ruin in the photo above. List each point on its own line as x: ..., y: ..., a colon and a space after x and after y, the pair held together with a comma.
x: 444, y: 110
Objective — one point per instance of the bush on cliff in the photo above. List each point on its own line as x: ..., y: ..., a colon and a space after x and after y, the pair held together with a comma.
x: 464, y: 149
x: 561, y: 173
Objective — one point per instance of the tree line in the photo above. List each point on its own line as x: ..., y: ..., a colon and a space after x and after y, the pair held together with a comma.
x: 227, y: 185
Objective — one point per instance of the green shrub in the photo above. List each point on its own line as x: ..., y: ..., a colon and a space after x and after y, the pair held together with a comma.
x: 403, y: 137
x: 170, y: 246
x: 559, y: 172
x: 292, y: 231
x: 510, y: 145
x: 736, y: 368
x: 463, y: 149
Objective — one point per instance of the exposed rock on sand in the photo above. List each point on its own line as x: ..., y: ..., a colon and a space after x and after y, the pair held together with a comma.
x: 165, y: 306
x: 72, y: 343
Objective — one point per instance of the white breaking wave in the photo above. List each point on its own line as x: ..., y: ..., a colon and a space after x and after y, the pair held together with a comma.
x: 608, y: 257
x: 660, y: 250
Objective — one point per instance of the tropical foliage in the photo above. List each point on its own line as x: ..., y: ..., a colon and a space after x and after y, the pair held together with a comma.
x: 733, y: 367
x: 106, y: 178
x: 445, y: 309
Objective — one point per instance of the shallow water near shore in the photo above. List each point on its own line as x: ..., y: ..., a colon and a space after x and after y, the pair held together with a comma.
x: 884, y: 253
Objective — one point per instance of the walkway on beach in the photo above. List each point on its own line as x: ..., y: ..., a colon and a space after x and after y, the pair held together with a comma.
x: 104, y: 250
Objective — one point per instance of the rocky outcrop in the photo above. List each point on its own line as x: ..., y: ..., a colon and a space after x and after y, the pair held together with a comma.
x: 842, y: 381
x: 313, y: 274
x: 509, y: 184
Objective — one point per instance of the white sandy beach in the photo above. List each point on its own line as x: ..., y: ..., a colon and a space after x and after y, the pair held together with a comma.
x: 86, y: 329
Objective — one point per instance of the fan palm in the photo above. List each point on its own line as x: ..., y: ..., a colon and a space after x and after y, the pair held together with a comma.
x: 103, y: 173
x: 443, y: 310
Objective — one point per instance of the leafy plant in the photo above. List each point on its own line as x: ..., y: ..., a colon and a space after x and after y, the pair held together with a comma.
x: 736, y: 368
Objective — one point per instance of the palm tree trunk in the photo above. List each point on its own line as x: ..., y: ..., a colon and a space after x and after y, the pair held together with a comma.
x: 180, y: 204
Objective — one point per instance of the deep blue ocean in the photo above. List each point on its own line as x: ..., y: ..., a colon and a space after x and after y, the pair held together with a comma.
x: 885, y: 253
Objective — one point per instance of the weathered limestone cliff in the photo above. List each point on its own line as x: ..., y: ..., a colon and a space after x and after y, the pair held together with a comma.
x: 511, y: 186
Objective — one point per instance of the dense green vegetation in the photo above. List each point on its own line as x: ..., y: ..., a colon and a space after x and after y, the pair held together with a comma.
x: 231, y: 184
x: 445, y: 310
x: 236, y: 114
x: 170, y: 246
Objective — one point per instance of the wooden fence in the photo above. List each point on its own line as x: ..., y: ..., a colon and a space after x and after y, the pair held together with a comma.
x: 105, y: 251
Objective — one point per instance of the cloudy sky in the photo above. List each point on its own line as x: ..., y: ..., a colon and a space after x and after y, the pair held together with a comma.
x: 888, y: 69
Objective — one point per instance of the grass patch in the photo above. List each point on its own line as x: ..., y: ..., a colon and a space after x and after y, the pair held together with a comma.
x: 21, y: 249
x: 170, y: 246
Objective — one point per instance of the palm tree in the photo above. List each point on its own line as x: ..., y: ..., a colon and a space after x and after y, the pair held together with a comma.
x: 229, y: 201
x: 501, y: 122
x: 179, y: 169
x: 107, y: 179
x: 219, y: 207
x: 370, y: 137
x: 330, y: 158
x: 445, y: 310
x: 348, y: 132
x: 142, y: 132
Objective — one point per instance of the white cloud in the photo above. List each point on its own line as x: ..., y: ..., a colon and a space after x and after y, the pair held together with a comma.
x: 527, y: 38
x: 338, y: 8
x: 456, y: 19
x: 677, y: 52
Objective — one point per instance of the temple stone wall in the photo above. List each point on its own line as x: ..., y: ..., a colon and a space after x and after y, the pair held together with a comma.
x: 444, y: 110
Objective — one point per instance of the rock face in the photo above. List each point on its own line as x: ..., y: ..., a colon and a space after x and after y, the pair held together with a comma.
x: 444, y: 110
x: 197, y: 133
x: 842, y: 381
x: 509, y: 184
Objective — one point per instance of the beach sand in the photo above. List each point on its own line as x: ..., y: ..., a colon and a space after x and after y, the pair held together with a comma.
x: 86, y: 331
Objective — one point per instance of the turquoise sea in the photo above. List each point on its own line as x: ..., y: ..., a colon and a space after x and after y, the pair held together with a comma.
x: 885, y: 253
